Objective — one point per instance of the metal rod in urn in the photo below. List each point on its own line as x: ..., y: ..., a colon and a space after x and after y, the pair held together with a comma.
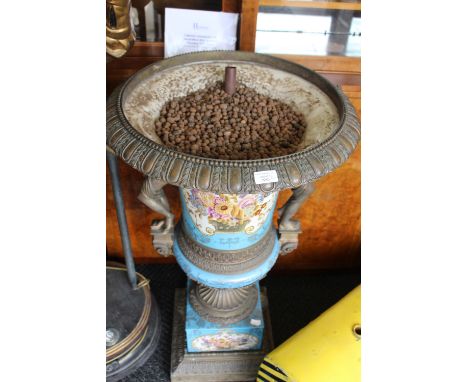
x: 230, y: 82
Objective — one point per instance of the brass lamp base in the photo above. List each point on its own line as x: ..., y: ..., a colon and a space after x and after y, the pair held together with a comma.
x: 133, y: 324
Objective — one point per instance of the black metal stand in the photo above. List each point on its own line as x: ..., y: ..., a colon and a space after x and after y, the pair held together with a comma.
x: 122, y: 219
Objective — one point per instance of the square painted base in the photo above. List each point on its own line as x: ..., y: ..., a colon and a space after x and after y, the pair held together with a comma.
x: 220, y: 366
x: 204, y: 336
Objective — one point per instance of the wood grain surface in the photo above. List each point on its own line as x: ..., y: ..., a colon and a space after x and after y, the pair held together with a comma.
x: 248, y: 25
x: 312, y: 4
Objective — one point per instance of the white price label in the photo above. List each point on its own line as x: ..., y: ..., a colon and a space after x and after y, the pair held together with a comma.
x: 255, y: 322
x: 262, y: 177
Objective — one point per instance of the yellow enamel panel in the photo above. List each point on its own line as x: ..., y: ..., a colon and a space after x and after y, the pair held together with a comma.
x: 326, y: 350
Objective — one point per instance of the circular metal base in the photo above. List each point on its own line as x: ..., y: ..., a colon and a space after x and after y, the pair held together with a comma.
x: 133, y: 325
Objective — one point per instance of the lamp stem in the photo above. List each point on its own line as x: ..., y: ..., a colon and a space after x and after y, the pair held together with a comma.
x: 122, y: 219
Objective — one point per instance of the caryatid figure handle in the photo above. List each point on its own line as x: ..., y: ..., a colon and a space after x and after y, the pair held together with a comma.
x: 289, y: 228
x: 152, y: 195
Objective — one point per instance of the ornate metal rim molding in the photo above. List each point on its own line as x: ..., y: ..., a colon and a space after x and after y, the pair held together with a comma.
x: 225, y: 262
x: 235, y: 176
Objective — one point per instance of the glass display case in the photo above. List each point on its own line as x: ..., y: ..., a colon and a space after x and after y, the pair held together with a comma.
x: 309, y: 28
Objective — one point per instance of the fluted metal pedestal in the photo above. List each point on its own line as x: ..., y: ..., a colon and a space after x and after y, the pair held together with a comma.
x: 223, y: 306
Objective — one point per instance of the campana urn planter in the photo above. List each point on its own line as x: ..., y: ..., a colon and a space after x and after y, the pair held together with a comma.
x: 226, y: 240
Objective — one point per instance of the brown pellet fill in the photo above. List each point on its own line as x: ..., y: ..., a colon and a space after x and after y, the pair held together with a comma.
x: 246, y: 125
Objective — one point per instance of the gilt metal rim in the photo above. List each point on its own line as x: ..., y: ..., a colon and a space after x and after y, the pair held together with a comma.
x: 231, y: 176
